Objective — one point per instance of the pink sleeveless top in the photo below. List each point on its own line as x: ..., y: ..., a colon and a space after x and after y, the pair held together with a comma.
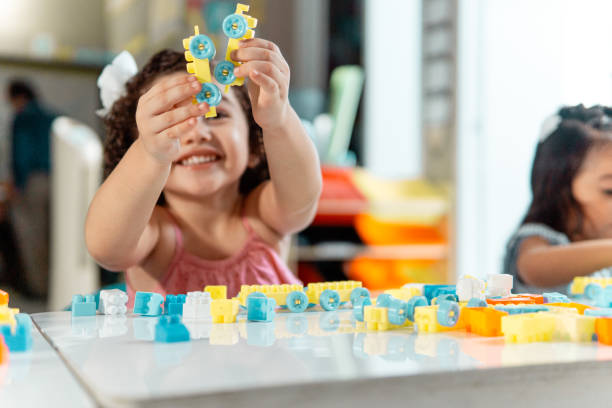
x: 255, y: 264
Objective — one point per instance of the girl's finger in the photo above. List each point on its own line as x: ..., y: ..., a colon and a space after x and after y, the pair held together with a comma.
x: 265, y: 68
x: 260, y: 43
x: 166, y: 99
x: 264, y: 82
x: 170, y: 118
x: 167, y: 83
x: 260, y: 54
x: 176, y: 131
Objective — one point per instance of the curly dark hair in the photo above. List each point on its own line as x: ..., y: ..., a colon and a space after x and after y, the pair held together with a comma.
x: 121, y: 122
x: 558, y: 159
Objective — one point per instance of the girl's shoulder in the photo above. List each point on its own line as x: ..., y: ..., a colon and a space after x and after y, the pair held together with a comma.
x: 552, y: 236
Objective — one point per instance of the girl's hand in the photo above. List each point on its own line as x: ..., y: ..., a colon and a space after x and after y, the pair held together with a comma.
x: 165, y: 113
x: 269, y: 75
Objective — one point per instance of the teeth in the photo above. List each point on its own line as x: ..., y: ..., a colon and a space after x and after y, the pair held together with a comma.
x: 198, y: 159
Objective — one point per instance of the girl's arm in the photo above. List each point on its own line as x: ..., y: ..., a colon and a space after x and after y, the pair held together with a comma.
x: 122, y: 227
x: 288, y: 202
x: 544, y: 265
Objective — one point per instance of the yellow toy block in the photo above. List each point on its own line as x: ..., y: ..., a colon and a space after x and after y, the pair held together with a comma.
x: 529, y: 327
x: 216, y: 291
x: 199, y: 67
x: 344, y: 289
x: 277, y: 292
x: 377, y: 318
x: 232, y: 43
x: 575, y: 327
x: 580, y: 283
x: 426, y: 320
x: 224, y: 310
x: 405, y: 293
x: 7, y: 316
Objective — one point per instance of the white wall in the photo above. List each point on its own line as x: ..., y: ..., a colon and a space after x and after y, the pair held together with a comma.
x: 392, y: 58
x: 518, y: 62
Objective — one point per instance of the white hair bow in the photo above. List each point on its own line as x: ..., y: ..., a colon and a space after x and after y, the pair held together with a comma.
x: 113, y: 78
x: 548, y: 126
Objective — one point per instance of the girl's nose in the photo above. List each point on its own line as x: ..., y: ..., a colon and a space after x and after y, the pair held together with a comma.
x: 199, y: 133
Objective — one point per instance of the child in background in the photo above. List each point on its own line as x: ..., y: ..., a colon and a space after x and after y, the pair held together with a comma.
x: 567, y: 231
x: 189, y: 201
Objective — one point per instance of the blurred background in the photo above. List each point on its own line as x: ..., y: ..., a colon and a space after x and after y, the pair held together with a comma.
x: 425, y: 113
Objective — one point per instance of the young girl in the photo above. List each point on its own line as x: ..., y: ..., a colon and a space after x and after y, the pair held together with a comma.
x: 189, y: 201
x: 567, y: 231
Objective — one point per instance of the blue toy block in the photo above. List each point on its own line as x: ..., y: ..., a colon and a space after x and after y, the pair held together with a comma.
x: 604, y: 297
x: 358, y: 308
x: 21, y: 339
x: 448, y: 313
x: 433, y: 291
x: 169, y: 329
x: 605, y: 312
x: 413, y: 303
x: 148, y: 303
x: 397, y: 312
x: 555, y: 297
x: 260, y: 308
x: 174, y: 304
x: 521, y: 309
x: 84, y: 305
x: 475, y: 302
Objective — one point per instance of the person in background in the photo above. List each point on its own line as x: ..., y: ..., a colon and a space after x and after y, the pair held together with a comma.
x: 567, y: 231
x: 30, y: 150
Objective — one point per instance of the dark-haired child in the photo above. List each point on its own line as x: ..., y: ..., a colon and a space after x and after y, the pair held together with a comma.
x: 567, y: 231
x: 189, y: 201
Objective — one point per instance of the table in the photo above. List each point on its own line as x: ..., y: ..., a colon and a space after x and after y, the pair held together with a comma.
x: 319, y: 359
x: 39, y: 378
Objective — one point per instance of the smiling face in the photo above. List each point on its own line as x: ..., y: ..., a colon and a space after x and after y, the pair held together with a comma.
x: 214, y: 153
x: 592, y: 189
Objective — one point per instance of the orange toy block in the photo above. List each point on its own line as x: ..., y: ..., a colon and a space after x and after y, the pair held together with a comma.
x: 516, y: 300
x: 4, y: 351
x: 4, y: 298
x: 603, y: 329
x: 484, y: 321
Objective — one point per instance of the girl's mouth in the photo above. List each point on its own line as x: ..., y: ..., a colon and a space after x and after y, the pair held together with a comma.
x: 199, y: 159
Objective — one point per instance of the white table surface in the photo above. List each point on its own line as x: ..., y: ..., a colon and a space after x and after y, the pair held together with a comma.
x: 38, y: 378
x: 318, y: 358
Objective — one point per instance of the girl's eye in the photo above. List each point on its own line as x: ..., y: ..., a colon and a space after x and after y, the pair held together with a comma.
x: 220, y: 115
x: 607, y: 192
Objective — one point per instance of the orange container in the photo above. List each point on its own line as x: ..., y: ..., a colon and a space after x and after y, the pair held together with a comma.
x: 340, y: 199
x: 378, y: 231
x: 379, y: 274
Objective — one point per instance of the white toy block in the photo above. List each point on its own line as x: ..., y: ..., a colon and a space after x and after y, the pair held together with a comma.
x: 113, y: 302
x: 197, y: 306
x: 499, y: 284
x: 469, y: 287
